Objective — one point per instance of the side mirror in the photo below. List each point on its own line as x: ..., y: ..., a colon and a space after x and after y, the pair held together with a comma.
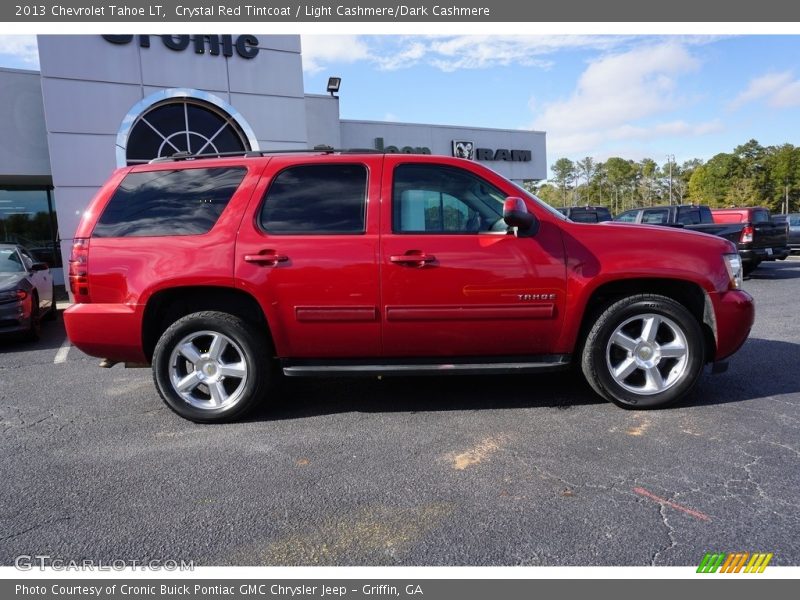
x: 39, y: 266
x: 515, y: 214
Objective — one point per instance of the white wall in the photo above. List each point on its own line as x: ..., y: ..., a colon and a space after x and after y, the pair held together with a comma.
x: 439, y: 138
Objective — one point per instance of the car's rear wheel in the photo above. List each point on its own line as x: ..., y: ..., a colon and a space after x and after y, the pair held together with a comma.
x: 644, y: 351
x: 34, y: 332
x: 52, y: 313
x: 211, y: 367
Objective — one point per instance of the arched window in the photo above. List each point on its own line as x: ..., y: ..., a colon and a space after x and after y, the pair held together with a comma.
x: 183, y: 125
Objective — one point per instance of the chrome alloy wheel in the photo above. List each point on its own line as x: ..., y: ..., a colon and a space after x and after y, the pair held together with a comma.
x: 647, y: 354
x: 208, y: 371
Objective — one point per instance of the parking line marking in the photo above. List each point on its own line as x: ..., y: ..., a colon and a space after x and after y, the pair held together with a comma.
x: 61, y: 355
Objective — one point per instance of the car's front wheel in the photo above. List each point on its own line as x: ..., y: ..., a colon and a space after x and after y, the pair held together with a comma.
x: 644, y: 351
x: 211, y: 367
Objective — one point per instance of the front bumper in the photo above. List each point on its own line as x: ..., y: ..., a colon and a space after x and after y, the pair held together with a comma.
x: 735, y: 313
x: 15, y: 316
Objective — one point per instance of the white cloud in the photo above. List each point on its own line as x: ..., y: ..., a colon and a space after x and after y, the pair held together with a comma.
x: 761, y: 87
x: 778, y: 90
x: 622, y: 96
x: 447, y: 53
x: 21, y: 47
x: 319, y: 50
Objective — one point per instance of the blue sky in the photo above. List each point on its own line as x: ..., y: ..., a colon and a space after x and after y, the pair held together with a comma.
x: 594, y: 95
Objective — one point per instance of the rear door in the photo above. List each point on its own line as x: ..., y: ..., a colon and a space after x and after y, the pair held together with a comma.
x: 308, y: 250
x: 454, y: 281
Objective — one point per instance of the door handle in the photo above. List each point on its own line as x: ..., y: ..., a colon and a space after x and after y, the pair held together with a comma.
x: 268, y: 258
x: 417, y: 259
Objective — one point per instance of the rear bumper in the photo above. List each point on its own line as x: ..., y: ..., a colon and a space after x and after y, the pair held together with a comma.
x: 735, y: 314
x: 112, y: 331
x: 757, y: 255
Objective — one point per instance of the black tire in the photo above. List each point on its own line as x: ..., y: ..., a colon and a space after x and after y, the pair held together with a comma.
x: 51, y: 314
x: 655, y: 381
x: 214, y: 397
x: 34, y: 332
x: 749, y: 267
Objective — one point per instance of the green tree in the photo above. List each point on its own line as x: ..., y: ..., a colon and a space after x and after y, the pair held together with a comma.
x: 563, y: 174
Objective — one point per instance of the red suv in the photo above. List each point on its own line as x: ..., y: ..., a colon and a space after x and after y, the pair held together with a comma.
x: 214, y: 270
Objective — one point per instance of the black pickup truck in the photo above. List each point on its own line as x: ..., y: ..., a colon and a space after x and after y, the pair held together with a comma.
x: 755, y: 241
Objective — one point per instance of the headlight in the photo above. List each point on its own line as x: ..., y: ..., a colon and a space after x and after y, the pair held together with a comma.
x: 13, y: 295
x: 733, y: 263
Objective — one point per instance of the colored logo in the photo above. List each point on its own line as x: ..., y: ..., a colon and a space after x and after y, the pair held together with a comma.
x: 734, y: 562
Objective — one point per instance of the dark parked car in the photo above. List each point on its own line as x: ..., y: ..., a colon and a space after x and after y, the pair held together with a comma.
x: 26, y: 292
x: 792, y: 220
x: 762, y: 239
x: 586, y: 214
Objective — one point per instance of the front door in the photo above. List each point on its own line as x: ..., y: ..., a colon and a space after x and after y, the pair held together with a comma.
x: 455, y: 281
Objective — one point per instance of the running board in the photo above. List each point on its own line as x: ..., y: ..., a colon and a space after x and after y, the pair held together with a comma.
x: 538, y: 364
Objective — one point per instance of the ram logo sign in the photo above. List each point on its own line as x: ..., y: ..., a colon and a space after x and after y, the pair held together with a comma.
x: 462, y: 149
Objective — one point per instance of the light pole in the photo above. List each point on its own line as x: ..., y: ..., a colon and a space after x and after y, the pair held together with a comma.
x: 670, y: 159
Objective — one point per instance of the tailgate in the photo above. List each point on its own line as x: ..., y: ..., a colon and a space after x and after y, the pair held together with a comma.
x: 769, y: 235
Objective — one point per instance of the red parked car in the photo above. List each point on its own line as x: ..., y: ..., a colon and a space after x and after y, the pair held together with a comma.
x: 212, y: 270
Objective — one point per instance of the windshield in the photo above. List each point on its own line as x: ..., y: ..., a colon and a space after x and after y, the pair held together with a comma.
x: 541, y: 203
x: 10, y: 261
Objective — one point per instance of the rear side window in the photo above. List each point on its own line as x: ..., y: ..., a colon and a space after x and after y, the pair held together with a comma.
x: 657, y: 217
x: 160, y: 203
x: 689, y: 216
x: 316, y: 199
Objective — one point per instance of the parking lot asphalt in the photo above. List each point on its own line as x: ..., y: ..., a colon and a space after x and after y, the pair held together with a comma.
x: 407, y: 471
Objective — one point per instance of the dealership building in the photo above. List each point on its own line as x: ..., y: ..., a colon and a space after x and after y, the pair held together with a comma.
x: 102, y: 102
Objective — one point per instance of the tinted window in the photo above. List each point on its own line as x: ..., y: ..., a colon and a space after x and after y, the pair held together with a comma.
x: 184, y: 202
x: 689, y: 216
x: 435, y: 199
x: 584, y: 216
x: 794, y: 220
x: 324, y: 199
x: 655, y: 216
x: 760, y: 216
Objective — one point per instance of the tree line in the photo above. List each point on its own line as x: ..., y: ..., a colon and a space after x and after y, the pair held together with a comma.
x: 751, y: 175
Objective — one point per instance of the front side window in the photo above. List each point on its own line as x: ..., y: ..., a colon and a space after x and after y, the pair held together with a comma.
x: 627, y: 217
x: 316, y: 199
x: 436, y: 199
x: 179, y: 202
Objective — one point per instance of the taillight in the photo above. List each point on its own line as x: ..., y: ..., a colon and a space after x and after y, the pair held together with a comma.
x: 747, y: 234
x: 79, y: 270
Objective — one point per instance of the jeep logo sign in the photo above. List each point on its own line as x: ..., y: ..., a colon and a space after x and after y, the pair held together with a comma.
x: 246, y: 46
